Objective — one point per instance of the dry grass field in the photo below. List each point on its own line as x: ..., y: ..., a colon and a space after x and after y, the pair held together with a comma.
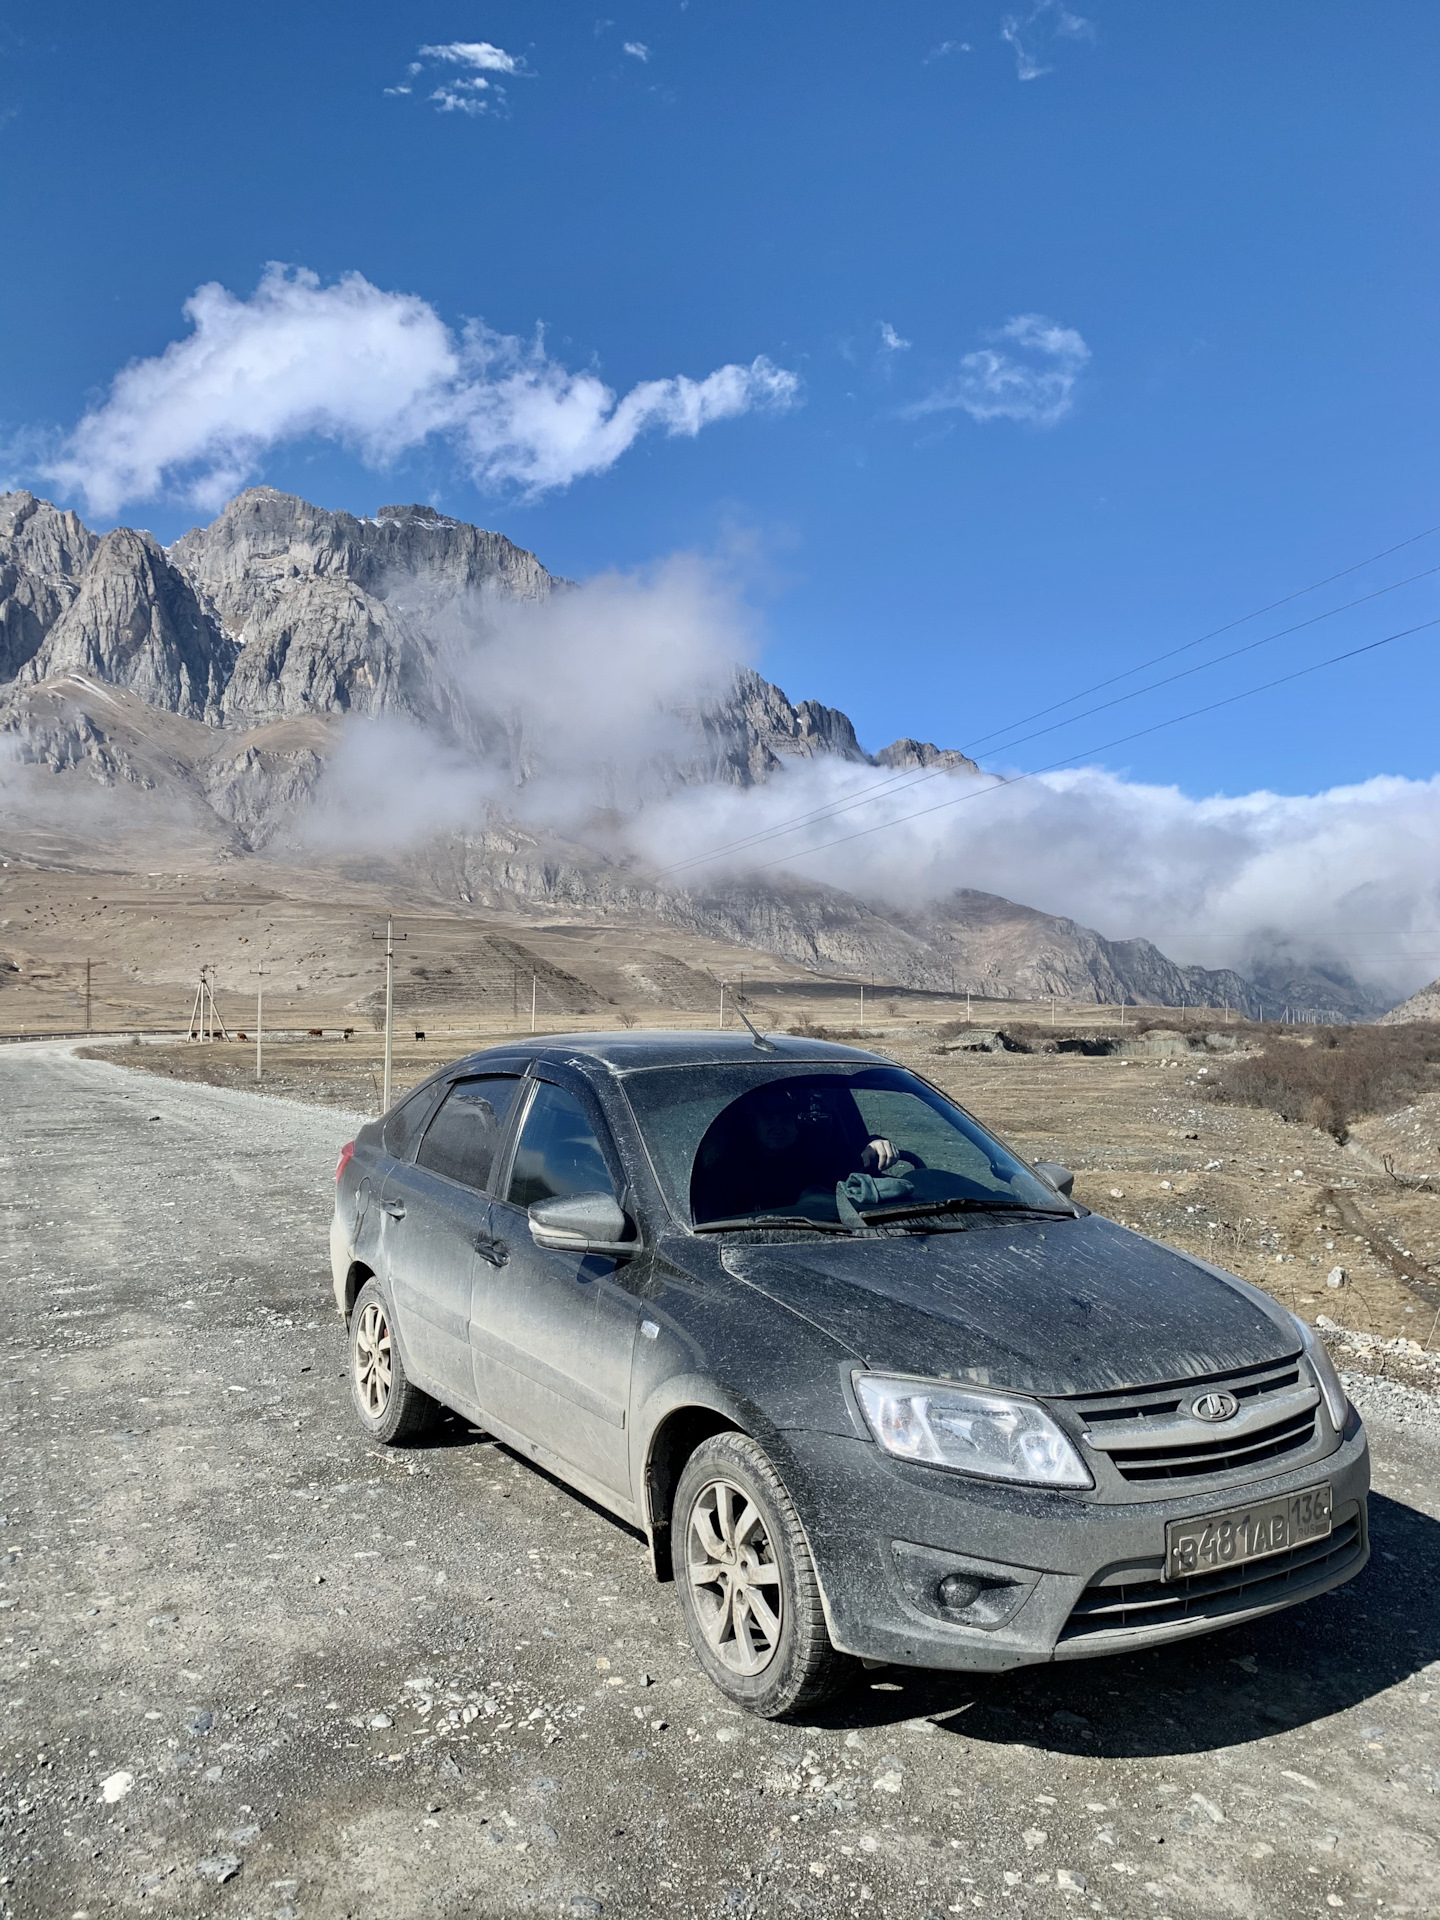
x: 1279, y: 1202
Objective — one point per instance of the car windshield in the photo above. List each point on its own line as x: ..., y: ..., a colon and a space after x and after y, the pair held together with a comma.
x: 842, y: 1145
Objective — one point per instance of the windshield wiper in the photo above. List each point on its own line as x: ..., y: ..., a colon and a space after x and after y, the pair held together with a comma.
x: 966, y: 1203
x: 797, y: 1221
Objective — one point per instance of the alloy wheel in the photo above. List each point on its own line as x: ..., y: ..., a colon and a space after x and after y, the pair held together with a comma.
x: 734, y: 1578
x: 372, y: 1359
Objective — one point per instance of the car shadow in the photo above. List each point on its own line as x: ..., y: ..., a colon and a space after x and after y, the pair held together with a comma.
x: 1223, y: 1689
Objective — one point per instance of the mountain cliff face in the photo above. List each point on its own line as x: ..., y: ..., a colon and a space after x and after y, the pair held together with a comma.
x: 214, y: 677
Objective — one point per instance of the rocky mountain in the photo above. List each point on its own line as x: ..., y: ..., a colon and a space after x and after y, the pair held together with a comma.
x: 1424, y: 1005
x: 213, y: 678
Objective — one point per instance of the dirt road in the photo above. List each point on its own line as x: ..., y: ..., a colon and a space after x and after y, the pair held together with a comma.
x: 251, y: 1665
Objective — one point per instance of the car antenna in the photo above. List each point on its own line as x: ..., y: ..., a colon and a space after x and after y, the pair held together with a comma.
x: 765, y: 1046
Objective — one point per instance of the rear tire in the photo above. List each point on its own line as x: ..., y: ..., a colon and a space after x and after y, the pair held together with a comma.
x: 388, y: 1406
x: 748, y: 1587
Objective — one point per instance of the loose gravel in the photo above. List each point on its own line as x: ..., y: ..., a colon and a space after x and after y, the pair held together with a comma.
x: 252, y: 1665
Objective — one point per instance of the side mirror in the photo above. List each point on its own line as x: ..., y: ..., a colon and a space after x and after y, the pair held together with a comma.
x: 581, y: 1223
x: 1061, y: 1178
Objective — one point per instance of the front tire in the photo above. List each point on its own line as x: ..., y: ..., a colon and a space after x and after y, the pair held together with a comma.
x: 387, y: 1404
x: 748, y: 1586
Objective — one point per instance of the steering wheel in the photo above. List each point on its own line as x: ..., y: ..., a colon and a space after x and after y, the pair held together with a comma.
x: 916, y: 1162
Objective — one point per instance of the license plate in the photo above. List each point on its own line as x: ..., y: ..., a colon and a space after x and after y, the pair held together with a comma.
x: 1219, y: 1540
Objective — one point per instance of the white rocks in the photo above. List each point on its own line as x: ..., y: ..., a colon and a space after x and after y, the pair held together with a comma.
x: 220, y: 1867
x: 115, y: 1786
x: 1034, y: 1838
x: 890, y: 1781
x: 1336, y: 1277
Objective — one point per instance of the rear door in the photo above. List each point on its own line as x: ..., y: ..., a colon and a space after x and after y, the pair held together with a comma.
x: 553, y: 1334
x: 437, y: 1230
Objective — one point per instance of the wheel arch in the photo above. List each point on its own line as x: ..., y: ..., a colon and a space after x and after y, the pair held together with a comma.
x: 672, y: 1441
x: 356, y: 1276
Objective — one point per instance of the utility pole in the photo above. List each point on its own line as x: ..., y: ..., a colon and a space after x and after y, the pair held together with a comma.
x: 722, y: 1004
x: 534, y: 994
x: 87, y: 996
x: 862, y: 1006
x: 204, y: 1015
x: 967, y: 1006
x: 259, y: 1016
x: 389, y: 938
x: 514, y: 992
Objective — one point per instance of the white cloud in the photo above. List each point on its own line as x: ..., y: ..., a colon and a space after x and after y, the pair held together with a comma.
x: 465, y: 96
x: 945, y: 48
x: 474, y: 53
x: 380, y: 373
x: 1341, y: 877
x: 469, y: 93
x: 637, y: 50
x: 1047, y: 20
x: 891, y: 340
x: 994, y: 385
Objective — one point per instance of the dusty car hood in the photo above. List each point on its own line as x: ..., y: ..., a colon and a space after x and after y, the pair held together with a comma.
x: 1054, y: 1307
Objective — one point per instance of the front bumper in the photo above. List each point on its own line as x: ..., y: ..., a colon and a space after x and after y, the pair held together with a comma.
x: 1056, y: 1577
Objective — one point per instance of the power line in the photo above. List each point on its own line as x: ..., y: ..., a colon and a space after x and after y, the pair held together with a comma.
x: 1219, y: 660
x: 914, y: 777
x: 1214, y: 634
x: 1015, y: 780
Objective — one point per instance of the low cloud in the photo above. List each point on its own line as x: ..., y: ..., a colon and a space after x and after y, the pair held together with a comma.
x: 582, y: 717
x: 1345, y: 877
x: 1027, y: 34
x: 637, y: 50
x: 891, y: 341
x: 945, y: 48
x: 381, y: 374
x: 994, y: 384
x: 570, y: 715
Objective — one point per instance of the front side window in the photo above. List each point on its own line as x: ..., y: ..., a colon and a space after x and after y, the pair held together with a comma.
x: 462, y: 1139
x: 558, y: 1153
x: 736, y: 1142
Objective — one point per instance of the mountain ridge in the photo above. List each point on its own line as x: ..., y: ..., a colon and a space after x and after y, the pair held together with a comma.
x: 214, y: 676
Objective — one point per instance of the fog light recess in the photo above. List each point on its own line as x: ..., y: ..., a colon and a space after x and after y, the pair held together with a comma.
x: 959, y: 1590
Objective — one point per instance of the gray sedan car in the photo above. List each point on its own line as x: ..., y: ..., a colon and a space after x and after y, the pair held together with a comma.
x: 873, y: 1387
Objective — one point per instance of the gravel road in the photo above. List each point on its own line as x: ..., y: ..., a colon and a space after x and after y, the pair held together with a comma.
x: 252, y: 1665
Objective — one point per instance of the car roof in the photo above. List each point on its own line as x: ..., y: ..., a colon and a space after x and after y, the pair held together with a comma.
x: 628, y: 1052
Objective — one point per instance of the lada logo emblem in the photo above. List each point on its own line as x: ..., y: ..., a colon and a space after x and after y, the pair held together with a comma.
x: 1215, y: 1406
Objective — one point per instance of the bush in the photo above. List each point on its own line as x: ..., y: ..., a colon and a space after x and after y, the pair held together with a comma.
x: 1337, y: 1076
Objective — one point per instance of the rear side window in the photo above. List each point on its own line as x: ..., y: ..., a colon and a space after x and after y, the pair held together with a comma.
x: 404, y: 1123
x: 461, y: 1140
x: 558, y: 1153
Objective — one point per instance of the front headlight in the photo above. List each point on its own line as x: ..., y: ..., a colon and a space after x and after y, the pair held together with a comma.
x: 1337, y: 1404
x: 963, y: 1427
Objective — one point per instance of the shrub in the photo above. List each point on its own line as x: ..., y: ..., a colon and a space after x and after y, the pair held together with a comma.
x: 1337, y: 1076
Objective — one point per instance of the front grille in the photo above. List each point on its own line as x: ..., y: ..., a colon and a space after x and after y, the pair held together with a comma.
x: 1116, y: 1603
x: 1124, y: 1423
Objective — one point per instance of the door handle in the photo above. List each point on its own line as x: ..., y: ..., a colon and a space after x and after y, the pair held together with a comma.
x: 491, y: 1249
x: 395, y: 1208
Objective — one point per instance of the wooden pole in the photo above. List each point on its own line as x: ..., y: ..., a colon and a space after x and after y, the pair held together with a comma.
x: 259, y: 1017
x: 534, y: 994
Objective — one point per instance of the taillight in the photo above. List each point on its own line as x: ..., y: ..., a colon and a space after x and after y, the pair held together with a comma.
x: 347, y: 1153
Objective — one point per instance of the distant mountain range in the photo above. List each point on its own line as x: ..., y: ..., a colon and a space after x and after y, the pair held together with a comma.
x: 213, y: 676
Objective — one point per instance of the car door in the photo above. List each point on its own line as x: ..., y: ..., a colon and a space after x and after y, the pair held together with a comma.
x: 437, y: 1230
x: 553, y: 1334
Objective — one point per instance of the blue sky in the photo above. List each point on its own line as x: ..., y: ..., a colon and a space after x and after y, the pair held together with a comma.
x: 1226, y: 215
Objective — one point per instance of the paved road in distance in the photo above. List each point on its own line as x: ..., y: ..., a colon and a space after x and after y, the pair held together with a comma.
x: 252, y: 1665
